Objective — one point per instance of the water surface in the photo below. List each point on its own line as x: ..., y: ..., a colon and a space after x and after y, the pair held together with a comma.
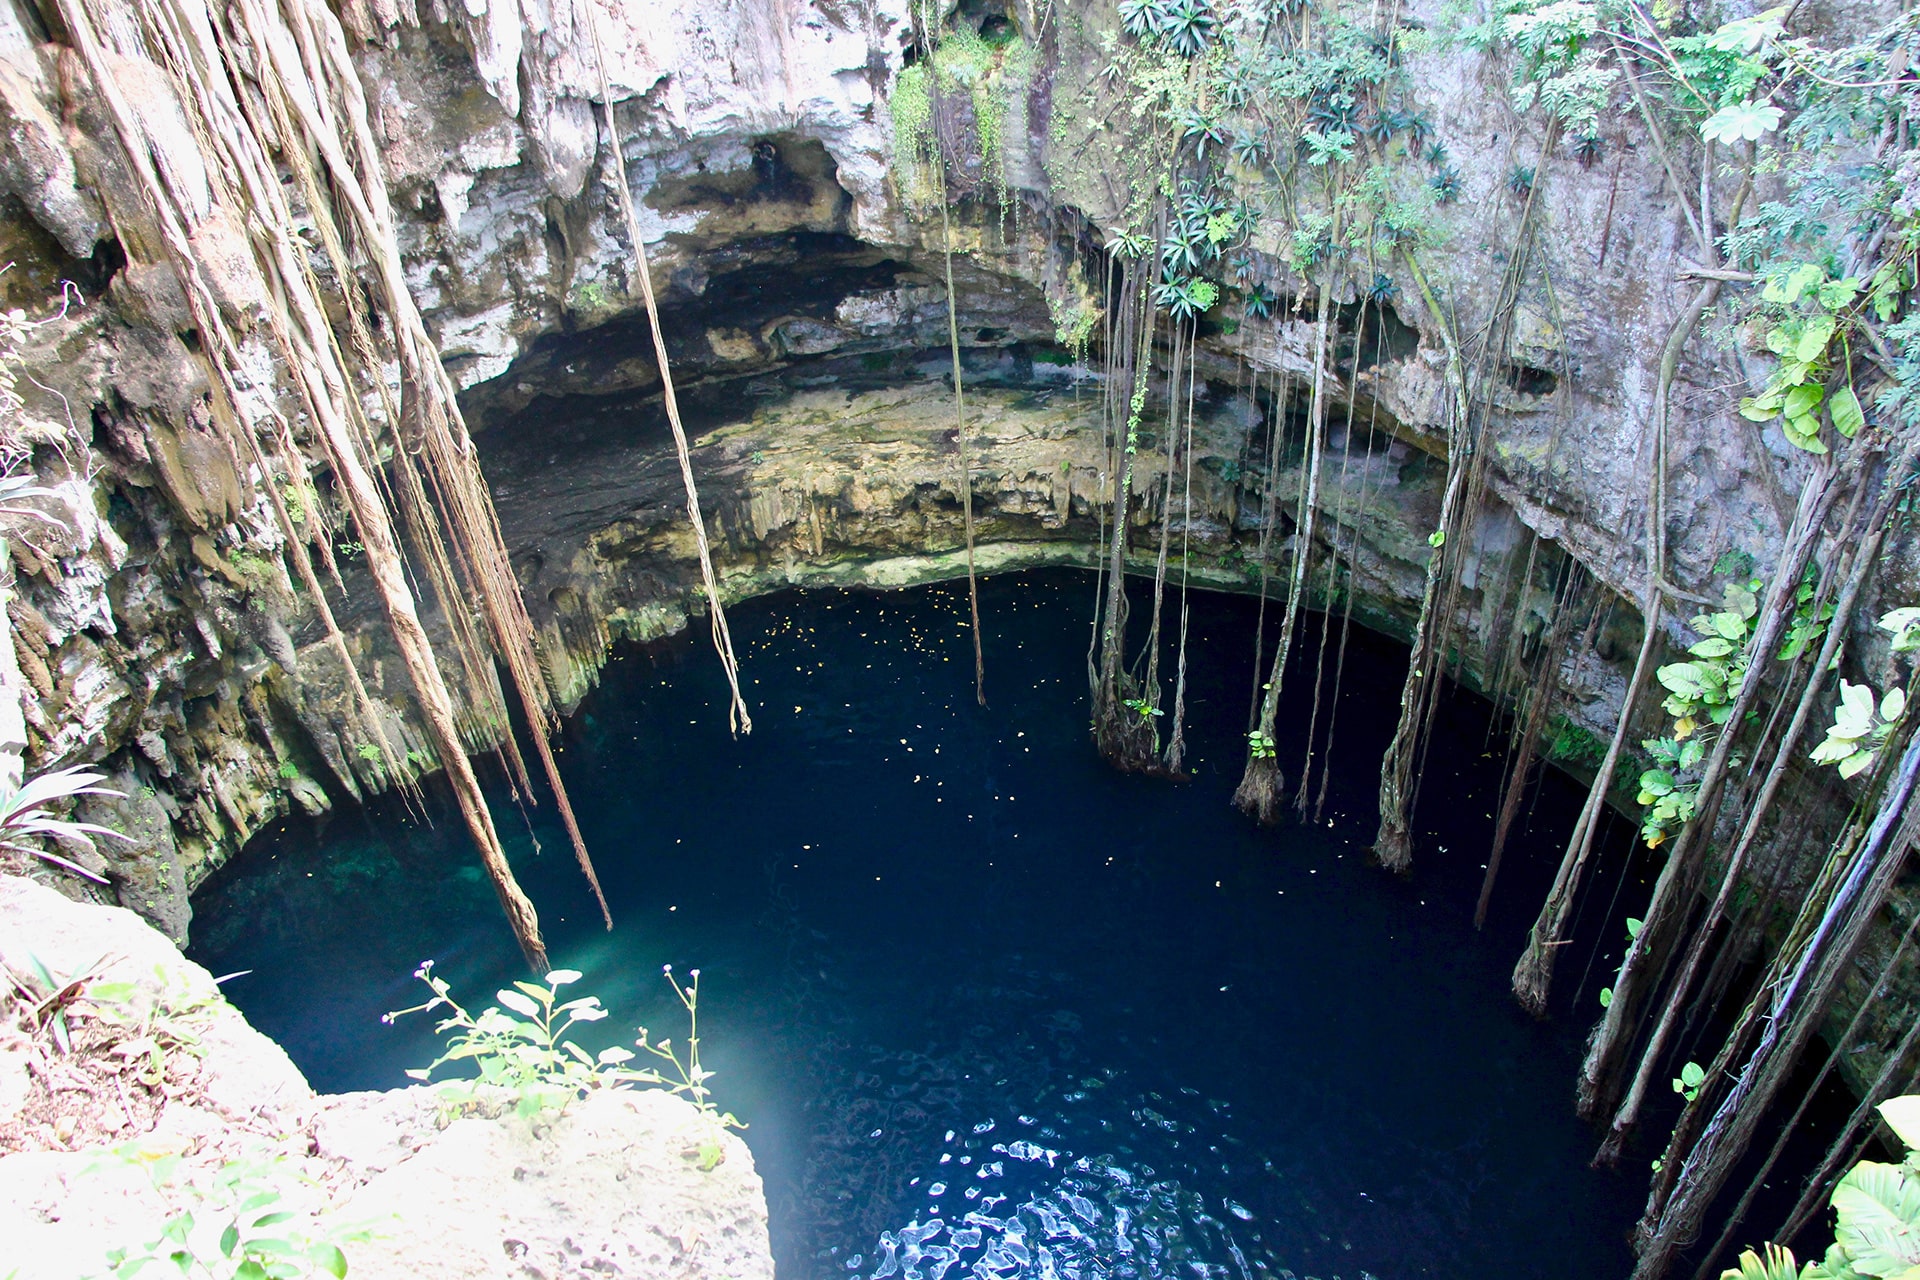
x: 991, y: 1009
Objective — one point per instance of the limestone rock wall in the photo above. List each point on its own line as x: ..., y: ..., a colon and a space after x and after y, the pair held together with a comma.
x: 620, y: 1183
x: 156, y: 633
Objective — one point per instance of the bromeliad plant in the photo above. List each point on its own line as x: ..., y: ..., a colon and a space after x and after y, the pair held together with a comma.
x: 27, y: 824
x: 524, y: 1047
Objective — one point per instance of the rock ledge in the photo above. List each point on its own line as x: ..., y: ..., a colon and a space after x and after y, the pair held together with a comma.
x: 613, y: 1186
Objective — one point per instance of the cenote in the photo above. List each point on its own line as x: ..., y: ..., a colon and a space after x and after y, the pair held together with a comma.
x: 989, y: 1007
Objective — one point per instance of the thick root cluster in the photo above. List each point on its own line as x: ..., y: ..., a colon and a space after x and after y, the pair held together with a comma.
x: 1258, y: 795
x: 1393, y: 846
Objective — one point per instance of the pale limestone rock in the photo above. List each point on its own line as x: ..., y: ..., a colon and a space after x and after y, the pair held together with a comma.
x: 622, y: 1183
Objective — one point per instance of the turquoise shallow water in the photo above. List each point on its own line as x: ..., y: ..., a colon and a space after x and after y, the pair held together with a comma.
x: 991, y: 1009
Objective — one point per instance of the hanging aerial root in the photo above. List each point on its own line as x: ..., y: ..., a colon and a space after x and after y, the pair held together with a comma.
x: 1393, y: 842
x: 737, y: 718
x: 1259, y: 793
x: 1786, y: 752
x: 247, y: 185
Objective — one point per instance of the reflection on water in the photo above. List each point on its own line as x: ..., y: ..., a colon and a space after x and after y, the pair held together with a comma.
x: 991, y: 1009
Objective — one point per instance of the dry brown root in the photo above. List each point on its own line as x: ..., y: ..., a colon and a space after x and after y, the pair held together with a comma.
x: 1259, y: 793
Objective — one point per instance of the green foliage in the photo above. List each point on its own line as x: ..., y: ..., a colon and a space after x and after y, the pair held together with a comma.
x: 1687, y: 1083
x: 1864, y: 723
x: 1702, y: 689
x: 1775, y: 1263
x: 1861, y: 728
x: 1260, y: 745
x: 1570, y: 744
x: 593, y: 296
x: 1876, y: 1210
x: 157, y: 1020
x: 1815, y: 116
x: 525, y: 1048
x: 1073, y: 325
x: 1904, y: 626
x: 1142, y: 707
x: 1700, y: 695
x: 1807, y: 315
x: 991, y: 74
x: 1808, y: 626
x: 42, y: 998
x: 1186, y: 27
x: 234, y: 1223
x: 910, y: 108
x: 27, y: 824
x: 1560, y: 65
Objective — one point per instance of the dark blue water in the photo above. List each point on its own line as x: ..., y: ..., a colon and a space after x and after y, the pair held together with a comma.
x: 990, y: 1008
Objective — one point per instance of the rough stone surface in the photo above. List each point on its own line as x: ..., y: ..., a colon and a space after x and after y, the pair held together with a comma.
x: 804, y: 310
x: 622, y: 1183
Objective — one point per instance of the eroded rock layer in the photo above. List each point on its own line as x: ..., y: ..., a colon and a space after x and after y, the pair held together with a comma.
x: 159, y: 636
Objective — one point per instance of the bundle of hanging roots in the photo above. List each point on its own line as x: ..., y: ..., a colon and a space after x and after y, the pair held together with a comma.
x: 215, y: 109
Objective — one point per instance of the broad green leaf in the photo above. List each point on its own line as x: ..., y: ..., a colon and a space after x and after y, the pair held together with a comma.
x: 1764, y: 409
x: 1905, y: 626
x: 1855, y: 764
x: 1693, y: 1075
x: 1804, y: 433
x: 1855, y: 715
x: 1903, y: 1117
x: 1683, y: 678
x: 330, y: 1260
x: 1787, y: 288
x: 1848, y: 417
x: 1777, y: 1264
x: 1730, y: 624
x: 1894, y: 705
x: 1802, y: 400
x: 1743, y: 122
x: 1834, y: 1266
x: 1814, y: 338
x: 1878, y: 1207
x: 1606, y: 997
x: 1745, y: 35
x: 1837, y: 294
x: 1832, y: 751
x: 518, y: 1003
x: 1634, y: 926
